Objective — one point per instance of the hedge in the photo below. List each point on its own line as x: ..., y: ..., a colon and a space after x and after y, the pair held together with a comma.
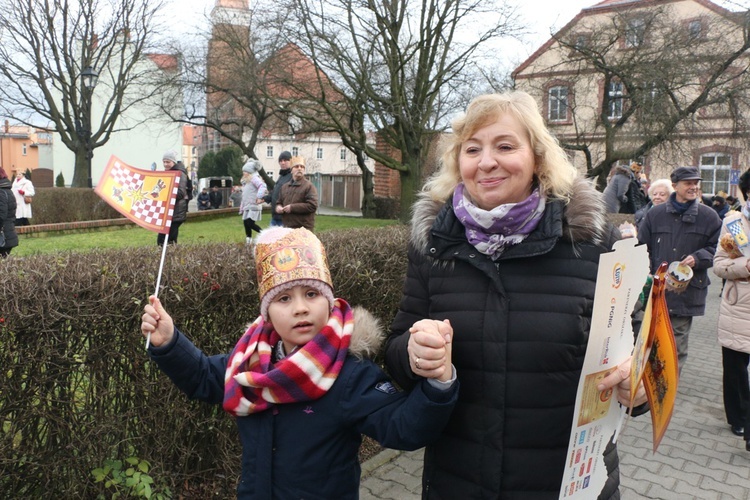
x: 78, y: 388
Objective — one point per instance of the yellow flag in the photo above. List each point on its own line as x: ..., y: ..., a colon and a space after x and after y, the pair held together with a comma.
x: 146, y: 197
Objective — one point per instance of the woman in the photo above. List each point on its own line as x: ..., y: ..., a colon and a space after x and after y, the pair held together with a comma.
x: 22, y: 188
x: 8, y: 238
x: 658, y: 193
x: 615, y: 194
x: 504, y: 250
x: 253, y: 190
x: 733, y: 266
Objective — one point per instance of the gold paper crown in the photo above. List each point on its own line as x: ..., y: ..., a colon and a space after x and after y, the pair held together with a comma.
x: 298, y: 255
x: 297, y: 160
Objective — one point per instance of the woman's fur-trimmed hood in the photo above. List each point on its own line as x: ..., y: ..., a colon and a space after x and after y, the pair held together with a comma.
x: 584, y: 216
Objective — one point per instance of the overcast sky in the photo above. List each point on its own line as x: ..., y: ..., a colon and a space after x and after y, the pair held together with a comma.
x: 540, y: 17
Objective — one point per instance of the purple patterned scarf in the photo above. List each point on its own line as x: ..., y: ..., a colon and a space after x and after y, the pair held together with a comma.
x: 492, y: 232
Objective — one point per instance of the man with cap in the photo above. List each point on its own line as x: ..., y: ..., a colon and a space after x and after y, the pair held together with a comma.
x: 683, y: 230
x: 298, y: 200
x: 285, y: 175
x: 181, y: 204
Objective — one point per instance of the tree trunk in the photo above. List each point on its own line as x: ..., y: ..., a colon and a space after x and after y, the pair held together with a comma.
x: 81, y: 172
x: 368, y: 198
x: 411, y: 182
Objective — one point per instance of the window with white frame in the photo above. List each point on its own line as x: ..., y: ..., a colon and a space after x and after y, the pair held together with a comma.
x: 342, y: 154
x: 557, y: 100
x: 635, y: 32
x: 295, y: 151
x: 715, y: 171
x: 319, y: 154
x: 269, y: 151
x: 615, y: 98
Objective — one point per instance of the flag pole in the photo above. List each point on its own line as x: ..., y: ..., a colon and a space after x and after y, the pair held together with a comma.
x: 158, y: 280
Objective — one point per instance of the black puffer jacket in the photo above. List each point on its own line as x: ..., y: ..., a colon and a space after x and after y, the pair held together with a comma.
x: 520, y: 331
x: 8, y: 214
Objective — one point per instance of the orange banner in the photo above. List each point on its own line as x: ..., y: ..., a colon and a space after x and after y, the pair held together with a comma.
x: 655, y: 359
x: 146, y: 197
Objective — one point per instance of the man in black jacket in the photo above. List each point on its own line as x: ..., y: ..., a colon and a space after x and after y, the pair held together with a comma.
x: 285, y: 175
x: 683, y: 230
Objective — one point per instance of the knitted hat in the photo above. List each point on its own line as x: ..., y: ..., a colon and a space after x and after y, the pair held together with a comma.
x: 251, y: 166
x: 170, y: 155
x: 285, y: 155
x: 297, y: 160
x: 285, y: 258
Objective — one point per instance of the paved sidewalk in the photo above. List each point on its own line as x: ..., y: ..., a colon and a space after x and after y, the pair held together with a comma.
x: 698, y: 457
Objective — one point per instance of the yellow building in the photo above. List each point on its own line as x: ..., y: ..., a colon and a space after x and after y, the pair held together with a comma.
x: 19, y: 151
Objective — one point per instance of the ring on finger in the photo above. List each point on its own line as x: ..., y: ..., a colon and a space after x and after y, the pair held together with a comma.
x: 416, y: 363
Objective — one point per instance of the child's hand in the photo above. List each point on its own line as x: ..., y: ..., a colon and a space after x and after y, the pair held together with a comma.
x: 157, y: 322
x: 430, y: 349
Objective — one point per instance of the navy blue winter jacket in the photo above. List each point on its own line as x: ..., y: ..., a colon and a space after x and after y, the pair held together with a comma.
x: 309, y: 450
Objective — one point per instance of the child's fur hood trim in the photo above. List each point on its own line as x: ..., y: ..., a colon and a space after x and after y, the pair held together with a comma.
x: 368, y: 334
x: 584, y: 216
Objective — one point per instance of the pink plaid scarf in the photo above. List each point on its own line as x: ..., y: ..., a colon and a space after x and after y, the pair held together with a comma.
x: 253, y: 383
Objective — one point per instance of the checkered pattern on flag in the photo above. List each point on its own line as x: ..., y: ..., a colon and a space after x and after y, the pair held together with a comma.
x: 735, y: 229
x: 146, y: 197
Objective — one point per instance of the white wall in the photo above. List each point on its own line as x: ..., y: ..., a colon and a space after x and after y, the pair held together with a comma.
x: 139, y: 147
x: 331, y: 163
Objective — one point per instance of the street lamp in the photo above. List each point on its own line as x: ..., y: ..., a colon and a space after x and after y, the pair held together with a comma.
x: 89, y: 77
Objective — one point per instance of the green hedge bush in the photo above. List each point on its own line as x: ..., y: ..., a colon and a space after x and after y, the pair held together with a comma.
x: 54, y: 205
x: 78, y: 389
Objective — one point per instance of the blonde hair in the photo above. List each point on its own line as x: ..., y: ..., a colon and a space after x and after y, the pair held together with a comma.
x: 553, y: 171
x: 664, y: 183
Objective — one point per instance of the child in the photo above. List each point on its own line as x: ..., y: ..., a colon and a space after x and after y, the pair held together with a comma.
x: 297, y: 381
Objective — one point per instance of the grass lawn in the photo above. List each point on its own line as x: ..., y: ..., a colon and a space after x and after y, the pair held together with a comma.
x: 227, y: 229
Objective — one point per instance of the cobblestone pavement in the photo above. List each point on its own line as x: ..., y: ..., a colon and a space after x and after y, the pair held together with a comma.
x: 698, y: 457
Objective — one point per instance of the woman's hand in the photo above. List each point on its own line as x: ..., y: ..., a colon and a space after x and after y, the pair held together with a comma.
x: 619, y: 380
x: 429, y: 349
x: 157, y: 322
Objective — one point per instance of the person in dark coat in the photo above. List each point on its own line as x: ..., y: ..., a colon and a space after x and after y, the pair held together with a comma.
x: 285, y: 175
x: 203, y: 200
x: 720, y: 205
x: 683, y: 230
x: 298, y: 382
x: 504, y: 246
x: 181, y: 204
x: 7, y: 215
x: 215, y: 197
x: 734, y: 204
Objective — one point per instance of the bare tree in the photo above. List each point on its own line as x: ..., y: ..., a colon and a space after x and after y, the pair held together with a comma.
x: 655, y: 77
x: 44, y: 49
x: 398, y: 67
x: 227, y: 80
